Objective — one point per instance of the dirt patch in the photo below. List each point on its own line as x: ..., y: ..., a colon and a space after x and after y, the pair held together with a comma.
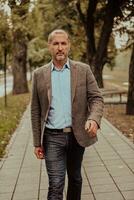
x: 116, y: 114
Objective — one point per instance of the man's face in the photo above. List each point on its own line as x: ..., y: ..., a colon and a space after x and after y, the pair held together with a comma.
x: 59, y: 47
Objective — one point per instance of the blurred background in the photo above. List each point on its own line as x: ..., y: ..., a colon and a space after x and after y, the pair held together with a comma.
x: 101, y: 34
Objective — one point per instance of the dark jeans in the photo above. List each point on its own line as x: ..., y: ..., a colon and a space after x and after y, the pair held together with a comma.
x: 62, y: 152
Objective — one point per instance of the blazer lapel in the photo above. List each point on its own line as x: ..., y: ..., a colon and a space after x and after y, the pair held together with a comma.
x: 74, y: 71
x: 47, y: 74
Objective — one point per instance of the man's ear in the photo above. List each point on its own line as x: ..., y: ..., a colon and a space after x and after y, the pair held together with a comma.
x: 48, y: 45
x: 69, y: 45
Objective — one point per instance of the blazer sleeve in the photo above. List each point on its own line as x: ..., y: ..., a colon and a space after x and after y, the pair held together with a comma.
x: 94, y: 98
x: 35, y: 113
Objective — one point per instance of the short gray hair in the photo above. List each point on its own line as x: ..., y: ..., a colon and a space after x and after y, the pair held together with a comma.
x: 57, y: 31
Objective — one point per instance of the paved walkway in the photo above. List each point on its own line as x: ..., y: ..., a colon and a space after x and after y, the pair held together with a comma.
x: 108, y: 167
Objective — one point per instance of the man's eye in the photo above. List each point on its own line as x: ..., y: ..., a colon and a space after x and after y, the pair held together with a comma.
x: 55, y: 43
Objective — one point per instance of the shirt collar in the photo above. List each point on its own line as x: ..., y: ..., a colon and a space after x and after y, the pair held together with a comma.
x: 66, y: 65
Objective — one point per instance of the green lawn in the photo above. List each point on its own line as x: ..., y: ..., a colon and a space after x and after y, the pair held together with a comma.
x: 10, y: 117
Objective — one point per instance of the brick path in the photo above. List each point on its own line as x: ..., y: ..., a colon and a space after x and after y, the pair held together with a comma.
x: 108, y: 167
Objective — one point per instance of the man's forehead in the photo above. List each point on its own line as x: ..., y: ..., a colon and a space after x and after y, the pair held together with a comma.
x: 60, y: 38
x: 60, y: 35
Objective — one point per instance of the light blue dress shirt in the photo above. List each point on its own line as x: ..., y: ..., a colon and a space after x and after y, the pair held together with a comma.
x: 59, y: 115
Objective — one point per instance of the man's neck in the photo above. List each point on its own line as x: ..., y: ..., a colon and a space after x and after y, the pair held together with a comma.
x: 59, y: 64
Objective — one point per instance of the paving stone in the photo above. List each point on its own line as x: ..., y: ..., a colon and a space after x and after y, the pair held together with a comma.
x: 28, y: 170
x: 104, y: 188
x: 129, y: 161
x: 26, y: 180
x: 9, y: 176
x: 43, y: 195
x: 6, y: 188
x: 12, y: 164
x: 122, y: 173
x: 101, y: 181
x: 85, y: 182
x: 122, y: 179
x: 127, y: 155
x: 121, y: 167
x: 109, y: 196
x: 103, y: 162
x: 7, y: 182
x: 115, y: 162
x: 126, y: 186
x: 27, y: 195
x: 27, y: 187
x: 5, y: 196
x: 94, y: 163
x: 92, y: 159
x: 95, y: 169
x: 98, y: 175
x: 131, y: 165
x: 129, y: 195
x: 44, y: 184
x: 86, y: 190
x: 90, y: 153
x: 110, y: 157
x: 8, y: 173
x: 87, y: 197
x: 108, y: 153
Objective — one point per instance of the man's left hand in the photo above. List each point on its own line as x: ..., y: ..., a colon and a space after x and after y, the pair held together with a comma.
x: 91, y: 127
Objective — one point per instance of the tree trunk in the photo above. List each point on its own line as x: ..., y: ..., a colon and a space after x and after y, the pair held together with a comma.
x: 19, y: 14
x: 88, y: 23
x: 98, y: 73
x: 100, y: 57
x: 130, y: 100
x: 19, y: 63
x: 5, y: 76
x: 89, y: 28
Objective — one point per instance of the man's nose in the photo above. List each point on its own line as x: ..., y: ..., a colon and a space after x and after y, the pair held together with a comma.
x: 60, y: 46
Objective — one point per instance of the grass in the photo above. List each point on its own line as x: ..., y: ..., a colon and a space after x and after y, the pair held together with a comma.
x: 10, y: 117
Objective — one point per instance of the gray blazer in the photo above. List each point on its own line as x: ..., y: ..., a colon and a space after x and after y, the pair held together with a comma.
x: 87, y: 102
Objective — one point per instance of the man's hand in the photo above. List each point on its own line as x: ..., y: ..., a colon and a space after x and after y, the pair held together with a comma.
x: 91, y: 127
x: 39, y: 152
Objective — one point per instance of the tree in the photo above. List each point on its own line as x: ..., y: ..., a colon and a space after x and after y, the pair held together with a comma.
x: 63, y: 14
x: 130, y: 99
x: 37, y: 47
x: 124, y: 26
x: 5, y: 43
x: 97, y: 50
x: 19, y: 64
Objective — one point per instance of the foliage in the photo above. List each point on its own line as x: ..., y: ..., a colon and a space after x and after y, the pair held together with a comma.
x: 5, y: 36
x: 37, y: 52
x: 124, y: 26
x: 69, y: 19
x: 37, y: 47
x: 47, y: 17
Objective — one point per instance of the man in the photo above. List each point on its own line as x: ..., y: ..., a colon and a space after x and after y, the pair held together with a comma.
x: 66, y: 110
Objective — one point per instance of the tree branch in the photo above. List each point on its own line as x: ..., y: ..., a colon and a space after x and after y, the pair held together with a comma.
x: 82, y: 16
x: 90, y: 26
x: 112, y: 9
x: 12, y: 4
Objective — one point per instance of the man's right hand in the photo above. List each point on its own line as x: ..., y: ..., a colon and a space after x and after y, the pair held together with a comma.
x: 39, y: 152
